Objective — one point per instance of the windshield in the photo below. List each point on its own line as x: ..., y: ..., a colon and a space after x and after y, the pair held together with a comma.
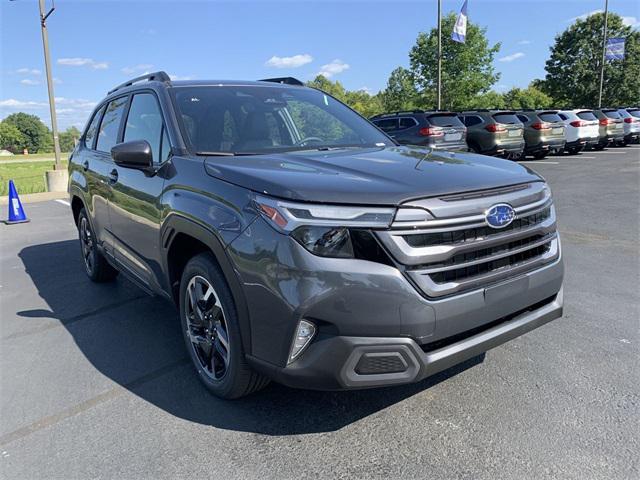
x: 230, y: 119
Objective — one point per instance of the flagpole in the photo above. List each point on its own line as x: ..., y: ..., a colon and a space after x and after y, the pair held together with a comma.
x: 604, y: 50
x: 440, y: 54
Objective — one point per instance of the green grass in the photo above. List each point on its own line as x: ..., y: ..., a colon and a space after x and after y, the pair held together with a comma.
x: 28, y: 177
x: 35, y: 156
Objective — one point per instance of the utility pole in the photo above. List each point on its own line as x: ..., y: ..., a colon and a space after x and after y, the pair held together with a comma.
x: 604, y: 50
x: 439, y: 55
x: 47, y: 66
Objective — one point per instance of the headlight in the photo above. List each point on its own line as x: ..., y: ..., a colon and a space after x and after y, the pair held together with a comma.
x: 287, y: 216
x: 329, y: 230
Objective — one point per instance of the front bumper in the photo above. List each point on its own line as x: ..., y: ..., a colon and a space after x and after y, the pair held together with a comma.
x: 336, y: 363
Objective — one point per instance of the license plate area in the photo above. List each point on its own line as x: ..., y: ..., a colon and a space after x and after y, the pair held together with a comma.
x: 506, y: 290
x: 452, y: 137
x: 556, y: 131
x: 514, y: 133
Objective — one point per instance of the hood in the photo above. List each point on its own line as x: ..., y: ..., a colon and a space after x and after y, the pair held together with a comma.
x: 372, y: 176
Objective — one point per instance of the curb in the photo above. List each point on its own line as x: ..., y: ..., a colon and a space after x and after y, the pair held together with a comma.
x: 37, y: 197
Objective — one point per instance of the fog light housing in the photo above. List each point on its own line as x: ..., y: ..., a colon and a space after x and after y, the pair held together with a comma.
x: 303, y: 336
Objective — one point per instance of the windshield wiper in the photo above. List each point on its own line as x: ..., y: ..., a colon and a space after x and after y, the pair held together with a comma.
x: 227, y: 154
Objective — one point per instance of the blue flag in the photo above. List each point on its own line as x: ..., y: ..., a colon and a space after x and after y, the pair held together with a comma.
x: 459, y: 33
x: 615, y: 49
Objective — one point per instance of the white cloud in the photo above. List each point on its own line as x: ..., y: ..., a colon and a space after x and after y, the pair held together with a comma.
x: 28, y: 71
x: 632, y: 22
x: 524, y: 42
x: 83, y: 62
x: 333, y: 68
x: 179, y: 77
x: 584, y: 16
x: 289, y: 62
x: 366, y: 90
x: 13, y: 104
x: 141, y: 67
x: 28, y: 81
x: 512, y: 57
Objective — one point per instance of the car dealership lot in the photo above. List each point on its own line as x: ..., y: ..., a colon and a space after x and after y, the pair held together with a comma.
x: 95, y: 380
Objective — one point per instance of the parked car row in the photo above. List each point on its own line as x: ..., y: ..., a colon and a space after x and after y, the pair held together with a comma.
x: 513, y: 134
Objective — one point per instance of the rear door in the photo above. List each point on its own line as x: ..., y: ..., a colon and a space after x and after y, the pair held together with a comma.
x: 451, y: 131
x: 555, y: 130
x: 590, y: 126
x: 135, y: 204
x: 512, y: 128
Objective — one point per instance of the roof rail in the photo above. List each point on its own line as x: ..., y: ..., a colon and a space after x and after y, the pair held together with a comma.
x: 284, y: 80
x: 394, y: 114
x: 158, y: 76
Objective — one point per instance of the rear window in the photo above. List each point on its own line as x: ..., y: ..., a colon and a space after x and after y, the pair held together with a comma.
x: 611, y: 113
x: 549, y: 117
x: 587, y: 115
x: 508, y: 118
x: 445, y: 120
x: 635, y: 113
x: 472, y: 120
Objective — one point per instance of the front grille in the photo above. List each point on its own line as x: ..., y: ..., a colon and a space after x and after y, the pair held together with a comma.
x: 461, y: 253
x: 477, y: 233
x: 465, y: 273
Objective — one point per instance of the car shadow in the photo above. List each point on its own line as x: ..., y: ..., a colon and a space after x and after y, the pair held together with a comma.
x: 135, y: 340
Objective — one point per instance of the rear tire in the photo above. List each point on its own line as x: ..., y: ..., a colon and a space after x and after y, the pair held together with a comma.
x: 211, y: 331
x: 573, y: 151
x: 598, y: 147
x: 540, y: 155
x: 95, y: 265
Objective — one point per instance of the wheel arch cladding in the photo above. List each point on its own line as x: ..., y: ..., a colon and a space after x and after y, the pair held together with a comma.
x: 182, y: 239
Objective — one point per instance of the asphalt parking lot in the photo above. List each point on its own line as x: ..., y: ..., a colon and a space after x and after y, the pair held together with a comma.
x: 95, y: 381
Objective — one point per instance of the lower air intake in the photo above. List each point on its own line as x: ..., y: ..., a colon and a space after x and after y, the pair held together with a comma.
x: 378, y: 363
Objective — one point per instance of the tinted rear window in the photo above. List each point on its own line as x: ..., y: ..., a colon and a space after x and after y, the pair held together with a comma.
x: 387, y: 124
x: 611, y: 113
x: 407, y: 122
x: 445, y: 121
x: 549, y: 117
x: 508, y: 118
x: 587, y: 116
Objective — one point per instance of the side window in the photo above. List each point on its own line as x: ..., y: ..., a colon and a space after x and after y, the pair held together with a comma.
x: 110, y: 125
x: 523, y: 118
x: 407, y: 122
x: 92, y: 129
x: 562, y: 116
x: 144, y: 122
x: 387, y: 124
x: 472, y: 120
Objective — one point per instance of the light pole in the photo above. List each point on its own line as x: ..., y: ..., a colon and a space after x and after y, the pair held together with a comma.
x: 439, y: 102
x: 604, y: 51
x: 47, y: 67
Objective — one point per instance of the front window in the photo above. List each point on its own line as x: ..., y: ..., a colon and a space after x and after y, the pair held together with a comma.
x: 259, y: 119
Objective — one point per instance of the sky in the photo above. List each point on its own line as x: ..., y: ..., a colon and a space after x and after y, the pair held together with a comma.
x: 96, y: 45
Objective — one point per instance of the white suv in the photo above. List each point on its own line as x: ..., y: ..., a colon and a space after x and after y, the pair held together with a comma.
x: 581, y: 129
x: 631, y: 117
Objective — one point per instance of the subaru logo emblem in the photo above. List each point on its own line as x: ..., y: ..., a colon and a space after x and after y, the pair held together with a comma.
x: 500, y: 215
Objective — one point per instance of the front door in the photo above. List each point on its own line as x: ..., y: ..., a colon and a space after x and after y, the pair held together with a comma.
x: 134, y: 208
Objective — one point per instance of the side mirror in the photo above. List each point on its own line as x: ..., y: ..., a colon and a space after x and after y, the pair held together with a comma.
x: 134, y: 154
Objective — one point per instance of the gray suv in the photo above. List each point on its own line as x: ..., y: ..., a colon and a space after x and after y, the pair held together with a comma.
x: 302, y: 244
x: 494, y: 132
x: 418, y: 127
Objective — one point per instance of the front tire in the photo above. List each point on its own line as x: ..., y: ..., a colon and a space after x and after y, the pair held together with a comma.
x: 211, y: 331
x: 95, y: 265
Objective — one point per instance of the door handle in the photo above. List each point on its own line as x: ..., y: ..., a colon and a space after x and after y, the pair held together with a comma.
x: 85, y: 165
x: 113, y: 176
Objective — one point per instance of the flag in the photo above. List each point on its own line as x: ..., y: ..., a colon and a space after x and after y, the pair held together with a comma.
x: 615, y: 49
x: 459, y: 33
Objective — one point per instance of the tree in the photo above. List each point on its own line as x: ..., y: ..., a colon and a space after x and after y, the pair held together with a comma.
x: 11, y: 138
x: 530, y: 97
x: 490, y: 99
x: 401, y: 92
x: 68, y: 139
x: 361, y: 101
x: 335, y: 89
x: 573, y: 69
x: 36, y: 134
x: 467, y: 68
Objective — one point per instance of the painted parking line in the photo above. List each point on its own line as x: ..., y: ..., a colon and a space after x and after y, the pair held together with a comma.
x: 64, y: 202
x: 613, y: 153
x: 538, y: 161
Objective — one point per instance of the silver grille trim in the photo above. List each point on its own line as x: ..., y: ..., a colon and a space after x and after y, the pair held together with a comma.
x: 404, y: 253
x: 433, y: 289
x: 457, y: 251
